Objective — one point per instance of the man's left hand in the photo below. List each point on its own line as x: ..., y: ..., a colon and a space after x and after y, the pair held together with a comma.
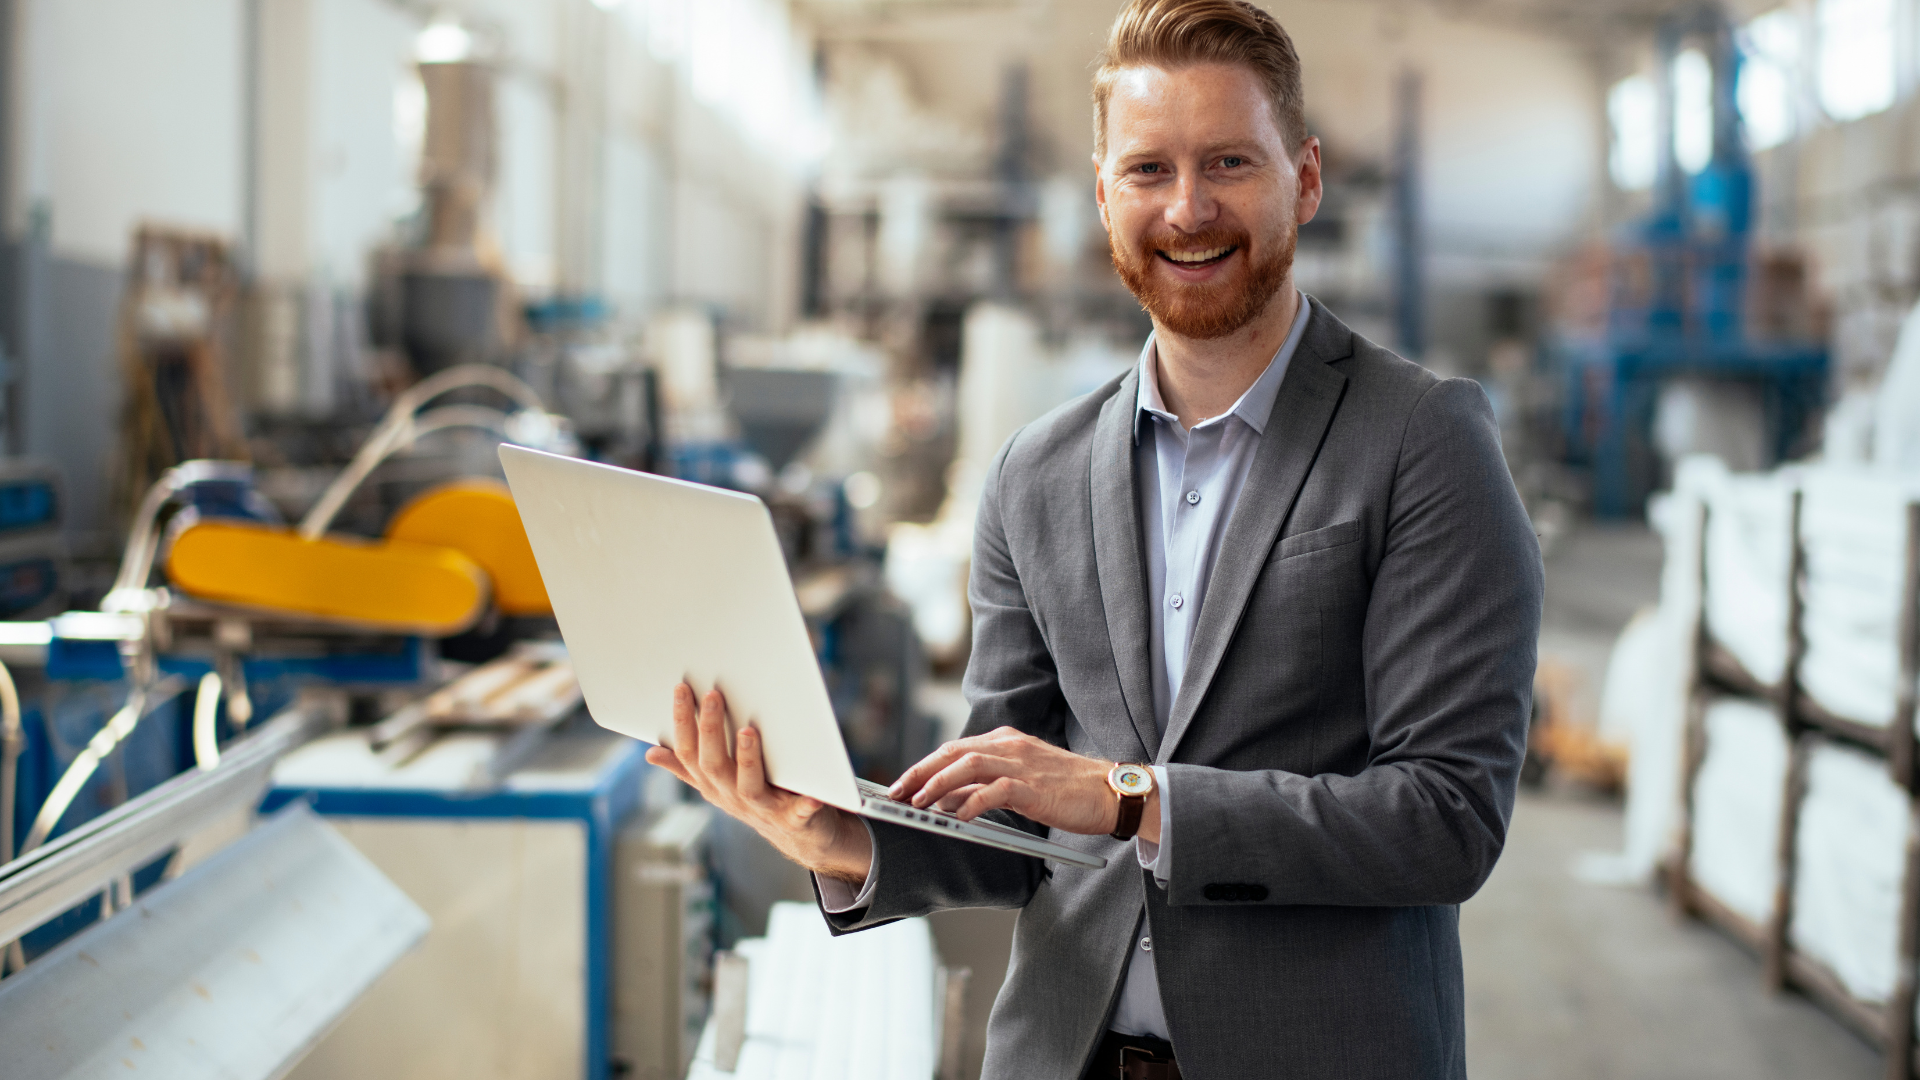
x: 1007, y: 769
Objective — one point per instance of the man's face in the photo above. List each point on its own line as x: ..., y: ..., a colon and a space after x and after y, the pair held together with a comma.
x: 1201, y: 199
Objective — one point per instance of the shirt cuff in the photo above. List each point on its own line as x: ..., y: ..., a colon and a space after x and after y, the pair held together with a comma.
x: 1155, y: 857
x: 838, y: 897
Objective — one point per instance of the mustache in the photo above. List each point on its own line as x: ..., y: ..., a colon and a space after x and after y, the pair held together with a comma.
x: 1212, y: 236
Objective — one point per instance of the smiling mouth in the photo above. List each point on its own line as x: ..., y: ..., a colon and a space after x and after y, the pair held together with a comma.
x: 1193, y: 260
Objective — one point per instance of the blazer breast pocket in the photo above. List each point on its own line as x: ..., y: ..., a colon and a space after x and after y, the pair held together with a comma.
x: 1345, y: 532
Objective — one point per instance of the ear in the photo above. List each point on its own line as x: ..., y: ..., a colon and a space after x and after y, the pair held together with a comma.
x: 1307, y: 174
x: 1100, y: 192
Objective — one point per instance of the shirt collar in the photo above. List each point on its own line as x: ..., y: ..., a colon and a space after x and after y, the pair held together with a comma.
x: 1254, y: 406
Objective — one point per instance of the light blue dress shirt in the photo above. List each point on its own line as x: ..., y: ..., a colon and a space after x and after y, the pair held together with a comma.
x: 1189, y: 482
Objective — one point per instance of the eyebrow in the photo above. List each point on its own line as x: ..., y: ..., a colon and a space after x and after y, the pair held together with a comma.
x: 1244, y: 148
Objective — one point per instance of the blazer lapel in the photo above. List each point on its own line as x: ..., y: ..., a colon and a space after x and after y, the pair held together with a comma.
x: 1117, y: 554
x: 1301, y: 412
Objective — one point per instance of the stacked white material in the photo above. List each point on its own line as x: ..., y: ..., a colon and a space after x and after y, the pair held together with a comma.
x: 1849, y: 850
x: 1644, y: 699
x: 1853, y: 524
x: 859, y: 1007
x: 1737, y: 799
x: 1749, y: 553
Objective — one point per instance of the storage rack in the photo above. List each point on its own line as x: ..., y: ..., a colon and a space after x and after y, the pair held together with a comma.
x: 1808, y: 726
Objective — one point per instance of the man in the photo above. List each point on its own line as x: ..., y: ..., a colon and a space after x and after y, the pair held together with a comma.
x: 1277, y: 565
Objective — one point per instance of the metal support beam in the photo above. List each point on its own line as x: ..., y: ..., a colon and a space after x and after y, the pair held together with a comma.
x: 41, y: 885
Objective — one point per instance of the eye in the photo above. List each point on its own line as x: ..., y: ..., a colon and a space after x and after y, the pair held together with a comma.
x: 1232, y: 162
x: 1150, y: 168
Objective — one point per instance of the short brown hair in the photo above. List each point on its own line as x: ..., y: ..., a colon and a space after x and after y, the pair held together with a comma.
x: 1175, y: 33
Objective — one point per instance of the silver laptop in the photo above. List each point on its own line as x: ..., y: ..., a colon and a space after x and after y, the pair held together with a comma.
x: 656, y: 581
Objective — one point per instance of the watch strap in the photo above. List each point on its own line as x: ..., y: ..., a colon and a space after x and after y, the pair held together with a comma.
x: 1131, y: 809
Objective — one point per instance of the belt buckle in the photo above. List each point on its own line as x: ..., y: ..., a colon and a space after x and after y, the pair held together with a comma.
x: 1155, y: 1067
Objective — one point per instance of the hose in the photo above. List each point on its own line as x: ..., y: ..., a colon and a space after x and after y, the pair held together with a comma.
x: 399, y: 428
x: 110, y: 735
x: 12, y: 740
x: 136, y: 560
x: 206, y: 715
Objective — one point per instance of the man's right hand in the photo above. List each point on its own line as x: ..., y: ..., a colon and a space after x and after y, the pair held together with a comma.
x: 822, y: 838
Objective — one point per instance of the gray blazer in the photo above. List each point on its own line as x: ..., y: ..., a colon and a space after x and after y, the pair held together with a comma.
x: 1342, y: 756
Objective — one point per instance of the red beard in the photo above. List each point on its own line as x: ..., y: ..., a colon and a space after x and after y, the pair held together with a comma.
x: 1215, y: 309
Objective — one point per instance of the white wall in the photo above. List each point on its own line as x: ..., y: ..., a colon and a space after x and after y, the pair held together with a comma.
x: 362, y: 51
x: 1510, y: 134
x: 129, y: 110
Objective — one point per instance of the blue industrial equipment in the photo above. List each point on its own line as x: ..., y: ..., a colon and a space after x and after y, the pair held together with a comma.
x: 33, y: 553
x: 1677, y: 300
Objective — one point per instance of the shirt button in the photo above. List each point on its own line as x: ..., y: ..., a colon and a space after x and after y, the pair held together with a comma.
x: 1193, y: 498
x: 1146, y: 944
x: 1177, y: 602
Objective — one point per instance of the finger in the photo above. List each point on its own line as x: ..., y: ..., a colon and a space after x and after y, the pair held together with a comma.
x: 666, y: 759
x: 751, y: 768
x: 715, y: 761
x: 972, y: 768
x: 999, y: 795
x: 686, y: 737
x: 916, y: 777
x: 802, y: 810
x: 953, y: 799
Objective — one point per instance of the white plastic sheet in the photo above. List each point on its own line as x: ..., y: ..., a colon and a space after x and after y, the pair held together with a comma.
x: 1850, y: 846
x: 1853, y: 531
x: 1738, y: 795
x: 1644, y: 698
x: 1896, y: 422
x: 1749, y: 552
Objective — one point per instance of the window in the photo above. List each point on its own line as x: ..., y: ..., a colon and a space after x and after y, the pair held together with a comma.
x: 1855, y: 57
x: 1768, y: 76
x: 1633, y: 110
x: 1692, y: 110
x: 748, y: 61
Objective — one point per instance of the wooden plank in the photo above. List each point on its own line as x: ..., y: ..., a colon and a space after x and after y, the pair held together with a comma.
x: 1817, y: 981
x: 1906, y: 992
x: 1693, y: 748
x: 1905, y: 702
x: 1800, y: 749
x: 1723, y: 670
x: 1808, y: 713
x: 1906, y: 986
x: 1708, y: 908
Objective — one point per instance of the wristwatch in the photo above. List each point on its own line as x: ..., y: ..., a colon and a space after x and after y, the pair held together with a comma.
x: 1132, y: 783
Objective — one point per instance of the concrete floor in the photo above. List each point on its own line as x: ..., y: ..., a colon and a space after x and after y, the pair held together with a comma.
x: 1568, y: 979
x: 1591, y: 982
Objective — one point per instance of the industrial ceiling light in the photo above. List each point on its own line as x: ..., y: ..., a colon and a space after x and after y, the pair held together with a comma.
x: 444, y: 41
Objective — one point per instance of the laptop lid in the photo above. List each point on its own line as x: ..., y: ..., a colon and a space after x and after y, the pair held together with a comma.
x: 654, y: 581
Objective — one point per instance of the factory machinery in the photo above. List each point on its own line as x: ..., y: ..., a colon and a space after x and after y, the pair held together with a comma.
x: 243, y: 669
x: 1683, y: 300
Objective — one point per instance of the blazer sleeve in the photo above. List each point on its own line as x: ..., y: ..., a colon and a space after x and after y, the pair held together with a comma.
x: 1448, y: 654
x: 1010, y: 681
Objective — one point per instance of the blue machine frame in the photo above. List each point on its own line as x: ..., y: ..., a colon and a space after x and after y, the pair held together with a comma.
x: 1678, y: 300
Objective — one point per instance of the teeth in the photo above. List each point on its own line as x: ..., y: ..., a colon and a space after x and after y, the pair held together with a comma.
x: 1196, y: 256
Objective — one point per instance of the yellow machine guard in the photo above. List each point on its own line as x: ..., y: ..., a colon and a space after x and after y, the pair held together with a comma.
x: 478, y: 519
x: 394, y: 584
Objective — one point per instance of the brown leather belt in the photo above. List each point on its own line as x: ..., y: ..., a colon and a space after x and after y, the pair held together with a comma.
x: 1132, y: 1057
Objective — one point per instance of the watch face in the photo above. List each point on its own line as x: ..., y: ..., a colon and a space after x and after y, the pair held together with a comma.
x: 1131, y: 779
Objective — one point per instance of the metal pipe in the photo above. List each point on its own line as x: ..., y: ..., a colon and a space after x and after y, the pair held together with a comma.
x: 398, y: 429
x: 110, y: 735
x: 13, y: 739
x: 206, y: 714
x: 40, y: 885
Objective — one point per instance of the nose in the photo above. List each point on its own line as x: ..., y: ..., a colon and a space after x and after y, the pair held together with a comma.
x: 1193, y: 206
